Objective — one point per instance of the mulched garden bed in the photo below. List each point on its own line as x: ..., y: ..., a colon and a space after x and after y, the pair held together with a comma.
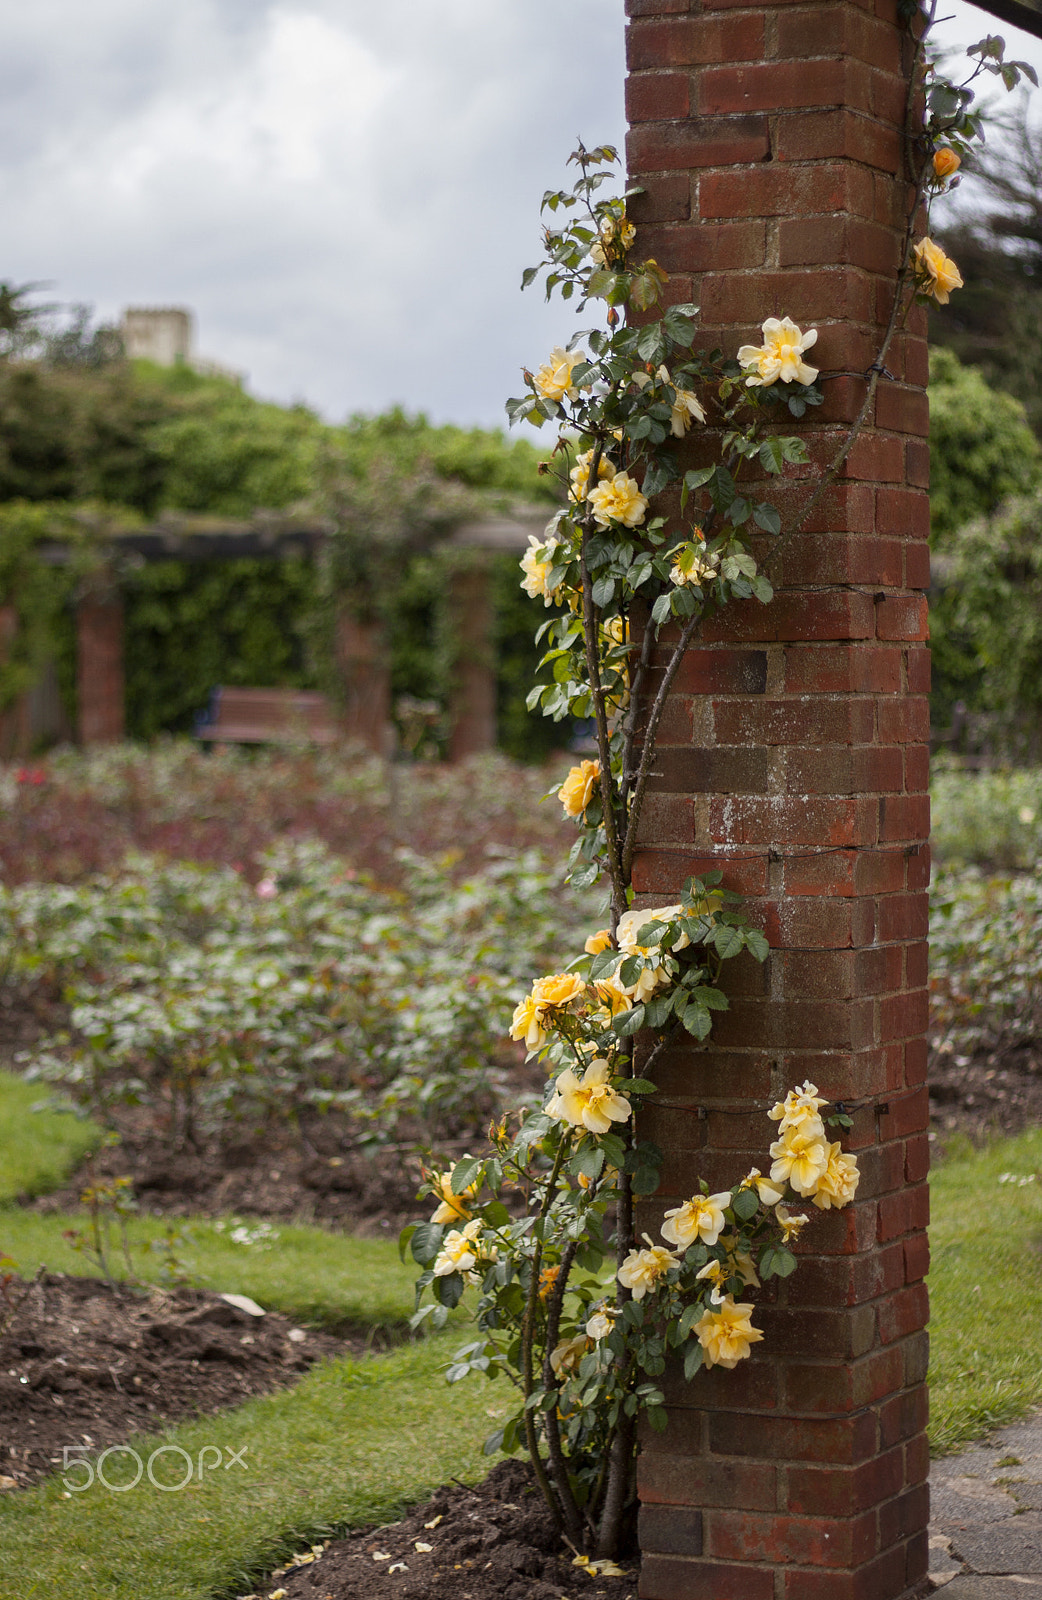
x: 493, y: 1542
x: 89, y: 1362
x: 985, y: 1095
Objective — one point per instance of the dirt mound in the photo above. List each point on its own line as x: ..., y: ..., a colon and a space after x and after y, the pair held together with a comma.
x: 89, y: 1363
x: 493, y: 1542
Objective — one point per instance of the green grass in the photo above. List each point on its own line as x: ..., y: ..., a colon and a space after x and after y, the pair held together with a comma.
x: 38, y: 1149
x: 316, y: 1277
x: 353, y: 1442
x: 985, y: 1290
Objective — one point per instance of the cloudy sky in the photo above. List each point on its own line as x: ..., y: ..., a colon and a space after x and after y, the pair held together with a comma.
x: 345, y: 192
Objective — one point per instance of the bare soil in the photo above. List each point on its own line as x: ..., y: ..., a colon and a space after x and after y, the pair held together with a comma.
x: 88, y: 1362
x: 493, y: 1542
x: 985, y: 1095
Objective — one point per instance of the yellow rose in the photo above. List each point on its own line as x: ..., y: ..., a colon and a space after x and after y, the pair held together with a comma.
x: 691, y: 567
x: 453, y: 1207
x: 935, y: 273
x: 557, y: 990
x: 780, y: 358
x: 547, y: 1279
x: 588, y: 1102
x: 801, y: 1157
x: 701, y: 1217
x: 618, y: 499
x: 945, y: 162
x: 554, y: 378
x: 727, y: 1334
x: 568, y: 1354
x: 597, y: 942
x: 460, y: 1250
x: 612, y: 996
x: 577, y: 790
x: 579, y: 477
x: 838, y: 1183
x: 768, y: 1192
x: 642, y: 1269
x: 799, y: 1107
x: 791, y: 1223
x: 527, y: 1023
x: 687, y: 408
x: 601, y: 1322
x: 537, y: 564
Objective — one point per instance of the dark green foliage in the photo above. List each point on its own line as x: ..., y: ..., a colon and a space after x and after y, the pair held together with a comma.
x: 190, y: 627
x: 982, y: 448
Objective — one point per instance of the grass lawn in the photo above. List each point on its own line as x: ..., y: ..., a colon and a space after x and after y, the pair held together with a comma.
x: 38, y: 1149
x: 316, y: 1277
x: 352, y: 1443
x: 985, y: 1290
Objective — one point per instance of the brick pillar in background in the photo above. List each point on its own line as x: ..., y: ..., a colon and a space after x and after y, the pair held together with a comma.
x: 472, y: 690
x: 794, y: 757
x: 100, y: 689
x: 364, y: 668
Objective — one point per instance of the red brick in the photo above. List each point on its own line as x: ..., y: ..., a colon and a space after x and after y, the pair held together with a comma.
x: 702, y: 1480
x: 837, y: 1491
x: 746, y: 298
x: 793, y: 721
x: 916, y: 1062
x: 775, y: 189
x: 877, y: 1580
x: 699, y: 142
x: 653, y: 8
x: 823, y: 240
x: 903, y: 916
x: 917, y: 455
x: 838, y: 30
x: 917, y: 1459
x: 657, y: 97
x: 917, y: 769
x: 917, y: 566
x: 786, y: 85
x: 903, y: 1015
x: 876, y: 456
x: 917, y: 1257
x: 691, y: 248
x: 908, y: 1114
x: 664, y: 199
x: 722, y: 671
x: 695, y: 41
x: 674, y: 1578
x: 670, y: 1530
x: 711, y: 771
x: 779, y: 1540
x: 828, y: 1387
x: 812, y: 135
x: 903, y: 511
x: 901, y: 617
x: 904, y: 816
x: 839, y: 1439
x: 794, y: 615
x: 905, y: 1415
x: 902, y: 410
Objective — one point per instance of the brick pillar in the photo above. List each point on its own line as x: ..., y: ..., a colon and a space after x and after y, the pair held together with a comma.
x: 794, y: 757
x: 100, y: 689
x: 472, y: 690
x: 364, y: 668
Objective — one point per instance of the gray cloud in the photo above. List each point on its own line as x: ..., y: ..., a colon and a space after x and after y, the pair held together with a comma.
x: 346, y: 193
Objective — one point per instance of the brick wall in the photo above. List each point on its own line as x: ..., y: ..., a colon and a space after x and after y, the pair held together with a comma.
x: 793, y: 756
x: 100, y: 689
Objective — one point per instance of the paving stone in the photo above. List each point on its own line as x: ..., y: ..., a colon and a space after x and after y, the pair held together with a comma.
x: 1012, y: 1546
x: 964, y: 1501
x: 943, y: 1566
x: 970, y: 1586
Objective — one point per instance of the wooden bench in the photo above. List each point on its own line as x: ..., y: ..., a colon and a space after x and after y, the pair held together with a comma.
x: 268, y: 716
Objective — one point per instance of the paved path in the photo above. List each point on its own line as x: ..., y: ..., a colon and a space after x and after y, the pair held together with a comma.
x: 986, y: 1511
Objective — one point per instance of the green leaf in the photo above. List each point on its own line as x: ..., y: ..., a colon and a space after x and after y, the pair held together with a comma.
x: 629, y: 1022
x: 657, y: 1419
x: 403, y: 1239
x: 745, y: 1204
x: 448, y: 1291
x: 639, y: 1086
x: 604, y: 964
x: 426, y: 1242
x: 727, y: 941
x: 657, y: 475
x: 767, y: 517
x: 660, y: 612
x: 645, y: 1180
x: 603, y: 591
x: 585, y: 876
x: 650, y: 345
x: 465, y: 1172
x: 757, y: 944
x: 692, y: 1360
x: 697, y: 1021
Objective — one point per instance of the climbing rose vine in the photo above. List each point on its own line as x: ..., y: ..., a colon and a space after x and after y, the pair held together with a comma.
x: 575, y: 1310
